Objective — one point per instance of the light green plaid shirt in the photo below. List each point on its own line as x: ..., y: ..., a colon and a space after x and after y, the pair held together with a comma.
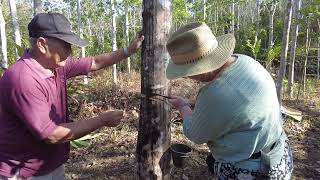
x: 237, y: 115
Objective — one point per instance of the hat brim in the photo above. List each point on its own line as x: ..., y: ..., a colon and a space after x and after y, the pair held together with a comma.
x: 211, y: 62
x: 72, y: 39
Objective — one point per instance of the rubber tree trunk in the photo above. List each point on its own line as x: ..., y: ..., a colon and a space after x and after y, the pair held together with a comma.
x: 233, y: 15
x: 238, y: 19
x: 204, y: 10
x: 4, y: 53
x: 293, y: 46
x: 272, y: 10
x: 258, y: 2
x: 80, y: 29
x: 126, y: 24
x: 307, y: 47
x: 15, y: 25
x: 114, y: 41
x: 153, y: 153
x: 284, y: 49
x: 37, y: 7
x: 318, y: 64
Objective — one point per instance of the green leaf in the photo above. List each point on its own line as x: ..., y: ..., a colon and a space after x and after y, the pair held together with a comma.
x: 273, y: 53
x: 257, y: 47
x: 79, y: 143
x: 89, y: 136
x: 19, y: 49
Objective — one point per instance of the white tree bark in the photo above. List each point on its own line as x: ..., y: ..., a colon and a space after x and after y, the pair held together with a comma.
x: 318, y: 64
x: 15, y: 25
x: 257, y: 18
x: 80, y: 30
x: 127, y: 37
x: 4, y: 63
x: 215, y: 20
x: 294, y: 37
x: 204, y: 9
x: 134, y: 20
x: 37, y: 7
x: 233, y: 14
x: 284, y: 49
x: 238, y: 17
x: 307, y: 47
x: 114, y: 41
x: 272, y: 9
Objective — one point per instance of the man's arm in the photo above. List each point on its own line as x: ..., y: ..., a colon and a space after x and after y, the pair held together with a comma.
x: 69, y: 131
x: 108, y: 59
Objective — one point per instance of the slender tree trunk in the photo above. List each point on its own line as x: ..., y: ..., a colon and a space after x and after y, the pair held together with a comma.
x: 238, y: 17
x: 153, y: 152
x: 114, y: 41
x: 89, y: 27
x: 318, y: 64
x: 194, y: 11
x: 284, y: 49
x: 15, y: 25
x: 204, y: 9
x: 4, y: 63
x: 215, y: 17
x: 83, y: 50
x: 272, y: 10
x: 307, y: 46
x: 134, y: 20
x: 37, y: 7
x: 294, y: 37
x: 257, y: 19
x: 232, y: 20
x: 126, y: 24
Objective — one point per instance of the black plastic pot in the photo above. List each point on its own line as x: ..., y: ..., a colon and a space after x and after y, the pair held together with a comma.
x: 179, y: 154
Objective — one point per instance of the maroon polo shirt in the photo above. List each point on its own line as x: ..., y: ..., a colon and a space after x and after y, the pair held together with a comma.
x: 33, y: 102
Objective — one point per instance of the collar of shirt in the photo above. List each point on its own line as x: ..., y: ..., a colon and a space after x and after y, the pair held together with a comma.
x: 35, y: 66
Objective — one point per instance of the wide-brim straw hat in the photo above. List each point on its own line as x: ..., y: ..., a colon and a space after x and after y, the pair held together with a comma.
x: 195, y: 50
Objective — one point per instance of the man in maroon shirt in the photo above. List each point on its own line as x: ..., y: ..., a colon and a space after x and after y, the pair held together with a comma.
x: 34, y: 126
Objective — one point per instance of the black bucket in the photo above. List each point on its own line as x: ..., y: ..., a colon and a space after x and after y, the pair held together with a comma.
x: 179, y: 154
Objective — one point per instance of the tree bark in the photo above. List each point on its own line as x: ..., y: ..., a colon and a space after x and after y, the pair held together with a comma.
x: 126, y: 24
x: 232, y: 20
x: 204, y: 9
x: 284, y: 49
x: 257, y: 19
x: 272, y: 10
x: 4, y: 53
x: 307, y: 47
x: 80, y: 29
x: 37, y: 7
x: 153, y: 152
x: 114, y: 41
x: 15, y: 25
x: 318, y: 63
x: 294, y: 37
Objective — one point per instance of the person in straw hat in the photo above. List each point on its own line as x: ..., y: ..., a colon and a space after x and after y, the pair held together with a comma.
x: 236, y: 113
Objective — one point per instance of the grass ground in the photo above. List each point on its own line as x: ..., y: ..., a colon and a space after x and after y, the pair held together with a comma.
x: 111, y: 155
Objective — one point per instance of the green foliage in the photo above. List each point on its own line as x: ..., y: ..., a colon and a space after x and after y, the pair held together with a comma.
x: 19, y: 49
x: 273, y: 53
x: 179, y: 12
x: 255, y: 47
x: 83, y: 141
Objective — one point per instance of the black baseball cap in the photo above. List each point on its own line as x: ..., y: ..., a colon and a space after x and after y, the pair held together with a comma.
x: 54, y: 25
